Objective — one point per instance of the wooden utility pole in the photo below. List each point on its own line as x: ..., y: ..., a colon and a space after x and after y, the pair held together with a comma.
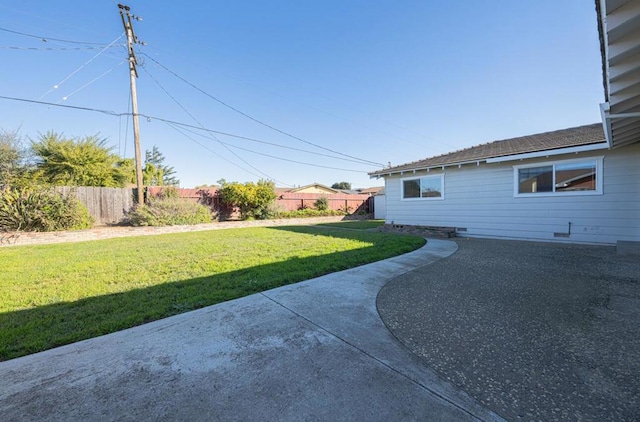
x: 133, y: 74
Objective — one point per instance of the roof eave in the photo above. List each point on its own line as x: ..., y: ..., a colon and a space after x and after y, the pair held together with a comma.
x: 505, y: 158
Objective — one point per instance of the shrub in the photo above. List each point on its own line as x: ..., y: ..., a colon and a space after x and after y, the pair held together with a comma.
x: 321, y: 204
x: 168, y: 211
x: 41, y: 209
x: 168, y: 192
x: 252, y: 199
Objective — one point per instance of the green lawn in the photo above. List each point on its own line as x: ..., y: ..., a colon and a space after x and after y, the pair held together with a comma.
x: 356, y: 224
x: 52, y: 295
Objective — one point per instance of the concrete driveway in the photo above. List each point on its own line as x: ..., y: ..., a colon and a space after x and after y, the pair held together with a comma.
x: 533, y: 331
x: 316, y: 350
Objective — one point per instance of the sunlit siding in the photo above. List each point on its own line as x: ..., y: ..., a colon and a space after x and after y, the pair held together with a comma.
x: 481, y: 199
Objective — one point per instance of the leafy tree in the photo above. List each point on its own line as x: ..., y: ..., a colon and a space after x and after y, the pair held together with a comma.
x: 80, y: 162
x: 128, y: 168
x: 13, y: 168
x: 341, y: 185
x: 156, y: 171
x: 252, y: 199
x: 152, y: 175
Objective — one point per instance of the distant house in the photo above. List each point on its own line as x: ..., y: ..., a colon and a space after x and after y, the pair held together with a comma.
x: 370, y: 191
x: 312, y: 188
x: 579, y: 184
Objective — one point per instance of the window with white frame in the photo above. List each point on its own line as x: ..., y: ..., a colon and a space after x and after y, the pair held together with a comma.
x: 425, y: 187
x: 568, y: 177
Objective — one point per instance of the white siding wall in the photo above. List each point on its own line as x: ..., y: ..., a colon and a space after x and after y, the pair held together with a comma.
x: 379, y: 207
x: 481, y: 199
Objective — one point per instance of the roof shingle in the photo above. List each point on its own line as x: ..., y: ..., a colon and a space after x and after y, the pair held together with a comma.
x: 577, y: 136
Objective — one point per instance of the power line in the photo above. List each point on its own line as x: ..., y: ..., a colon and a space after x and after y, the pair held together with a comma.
x: 294, y: 161
x: 56, y: 86
x: 227, y: 160
x: 46, y: 39
x: 9, y: 47
x: 244, y: 137
x: 172, y: 122
x: 202, y: 126
x: 66, y: 97
x: 271, y: 156
x: 256, y: 120
x: 25, y: 100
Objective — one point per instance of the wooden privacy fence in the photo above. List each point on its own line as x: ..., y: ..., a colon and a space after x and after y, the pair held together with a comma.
x: 105, y: 205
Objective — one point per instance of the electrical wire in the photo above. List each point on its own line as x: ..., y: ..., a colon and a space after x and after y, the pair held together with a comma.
x: 202, y: 126
x: 244, y: 137
x: 9, y: 47
x: 172, y: 122
x: 254, y: 119
x: 56, y: 86
x: 25, y: 100
x: 66, y: 97
x: 225, y: 159
x: 278, y: 158
x: 46, y: 39
x: 297, y: 162
x: 279, y: 146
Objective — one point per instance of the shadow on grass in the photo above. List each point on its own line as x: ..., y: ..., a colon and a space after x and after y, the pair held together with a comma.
x: 28, y: 331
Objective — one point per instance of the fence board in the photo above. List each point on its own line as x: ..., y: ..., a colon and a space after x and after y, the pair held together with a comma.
x: 105, y: 205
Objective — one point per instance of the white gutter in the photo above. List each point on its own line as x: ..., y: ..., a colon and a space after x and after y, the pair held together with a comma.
x: 547, y: 153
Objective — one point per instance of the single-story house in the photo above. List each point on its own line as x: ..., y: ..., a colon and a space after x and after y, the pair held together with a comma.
x: 312, y: 188
x: 578, y: 185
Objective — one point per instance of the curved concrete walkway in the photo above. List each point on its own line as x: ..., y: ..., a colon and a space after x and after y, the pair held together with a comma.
x: 315, y: 350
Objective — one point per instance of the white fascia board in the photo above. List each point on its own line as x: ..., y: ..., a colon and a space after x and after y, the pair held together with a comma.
x: 606, y: 123
x: 547, y: 153
x: 429, y: 168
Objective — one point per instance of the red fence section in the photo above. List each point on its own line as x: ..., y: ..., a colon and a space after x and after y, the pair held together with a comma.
x: 288, y: 201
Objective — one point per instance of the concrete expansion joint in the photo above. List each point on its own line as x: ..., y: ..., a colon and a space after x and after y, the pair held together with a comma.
x: 369, y: 355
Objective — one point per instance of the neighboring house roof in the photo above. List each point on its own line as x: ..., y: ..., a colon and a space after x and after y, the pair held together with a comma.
x: 313, y: 188
x: 548, y: 141
x: 370, y: 191
x: 619, y: 30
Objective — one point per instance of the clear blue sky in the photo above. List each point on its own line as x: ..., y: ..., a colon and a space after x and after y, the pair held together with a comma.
x: 379, y: 80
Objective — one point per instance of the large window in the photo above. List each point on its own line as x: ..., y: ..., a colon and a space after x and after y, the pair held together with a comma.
x: 426, y: 187
x: 571, y: 177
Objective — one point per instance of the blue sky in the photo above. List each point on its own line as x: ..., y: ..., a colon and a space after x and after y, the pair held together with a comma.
x: 375, y: 80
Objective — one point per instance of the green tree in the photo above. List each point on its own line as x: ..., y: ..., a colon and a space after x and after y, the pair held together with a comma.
x: 76, y: 162
x: 341, y: 185
x: 13, y: 167
x: 151, y: 175
x: 158, y: 173
x: 252, y: 199
x: 127, y: 167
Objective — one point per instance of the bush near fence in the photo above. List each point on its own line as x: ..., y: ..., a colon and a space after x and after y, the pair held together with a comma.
x: 286, y: 201
x: 110, y: 205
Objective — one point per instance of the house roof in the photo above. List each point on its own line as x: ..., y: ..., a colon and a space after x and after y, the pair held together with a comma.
x: 311, y: 187
x: 370, y: 191
x: 619, y: 30
x: 548, y: 141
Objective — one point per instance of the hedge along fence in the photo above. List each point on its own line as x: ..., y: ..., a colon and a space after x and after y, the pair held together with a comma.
x: 288, y: 201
